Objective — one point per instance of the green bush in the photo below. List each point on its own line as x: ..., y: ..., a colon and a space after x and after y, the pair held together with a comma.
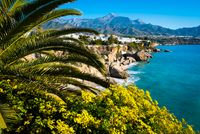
x: 116, y: 110
x: 136, y: 46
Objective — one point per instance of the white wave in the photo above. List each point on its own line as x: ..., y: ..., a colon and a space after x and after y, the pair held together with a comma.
x: 132, y: 64
x: 131, y: 72
x: 130, y: 80
x: 133, y: 79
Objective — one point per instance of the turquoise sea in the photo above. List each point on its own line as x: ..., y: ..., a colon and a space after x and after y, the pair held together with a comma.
x: 173, y: 79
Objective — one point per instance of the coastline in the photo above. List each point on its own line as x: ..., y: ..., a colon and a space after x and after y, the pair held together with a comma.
x: 131, y: 79
x: 119, y: 59
x: 174, y: 82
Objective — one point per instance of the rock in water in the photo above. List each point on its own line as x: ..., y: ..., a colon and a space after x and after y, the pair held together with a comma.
x: 156, y: 50
x: 118, y: 72
x: 141, y: 56
x: 167, y: 50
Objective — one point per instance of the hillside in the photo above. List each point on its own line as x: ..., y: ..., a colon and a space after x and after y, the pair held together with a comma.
x: 114, y: 24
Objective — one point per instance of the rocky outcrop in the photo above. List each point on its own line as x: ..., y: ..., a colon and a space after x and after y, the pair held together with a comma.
x: 109, y: 53
x: 166, y: 50
x: 141, y: 56
x: 156, y: 50
x: 118, y: 58
x: 118, y: 72
x: 138, y: 56
x: 127, y: 61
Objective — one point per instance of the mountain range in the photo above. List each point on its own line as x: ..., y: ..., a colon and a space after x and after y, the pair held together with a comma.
x: 120, y: 25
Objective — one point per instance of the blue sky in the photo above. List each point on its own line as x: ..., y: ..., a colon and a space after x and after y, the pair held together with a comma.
x: 168, y: 13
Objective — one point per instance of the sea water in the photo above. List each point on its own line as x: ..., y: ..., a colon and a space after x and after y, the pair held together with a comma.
x: 173, y: 79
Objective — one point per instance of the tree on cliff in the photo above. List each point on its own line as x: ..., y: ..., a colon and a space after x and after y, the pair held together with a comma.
x: 112, y: 40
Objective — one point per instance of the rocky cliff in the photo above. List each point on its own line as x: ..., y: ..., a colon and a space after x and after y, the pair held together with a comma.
x: 118, y: 57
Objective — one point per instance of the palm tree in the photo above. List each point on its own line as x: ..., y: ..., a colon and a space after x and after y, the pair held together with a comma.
x: 18, y: 18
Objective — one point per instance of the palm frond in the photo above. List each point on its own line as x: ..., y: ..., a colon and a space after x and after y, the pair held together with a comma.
x: 19, y: 38
x: 57, y: 33
x: 6, y: 24
x: 57, y: 69
x: 2, y: 122
x: 62, y: 33
x: 20, y: 50
x: 36, y: 8
x: 72, y: 58
x: 6, y: 4
x: 73, y: 40
x: 31, y: 18
x: 55, y: 97
x: 16, y: 6
x: 7, y: 115
x: 47, y: 53
x: 61, y: 80
x: 11, y: 6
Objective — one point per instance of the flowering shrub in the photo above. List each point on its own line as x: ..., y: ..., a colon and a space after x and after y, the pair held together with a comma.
x: 115, y: 110
x: 126, y: 110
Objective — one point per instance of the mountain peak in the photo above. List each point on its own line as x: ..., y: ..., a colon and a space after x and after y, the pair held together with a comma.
x: 138, y: 21
x: 110, y: 15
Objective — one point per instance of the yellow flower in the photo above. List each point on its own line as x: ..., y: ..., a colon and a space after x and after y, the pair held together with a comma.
x: 64, y: 128
x: 86, y: 119
x: 1, y: 90
x: 88, y: 96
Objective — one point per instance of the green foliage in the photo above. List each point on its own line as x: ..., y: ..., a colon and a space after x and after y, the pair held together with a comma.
x: 112, y: 40
x: 99, y: 42
x: 115, y: 110
x: 21, y: 37
x: 84, y: 39
x: 136, y: 46
x: 7, y: 115
x: 2, y: 122
x: 38, y: 111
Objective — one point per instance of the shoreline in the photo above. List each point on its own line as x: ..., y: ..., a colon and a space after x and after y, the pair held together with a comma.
x: 127, y: 80
x: 119, y: 58
x: 131, y: 79
x: 130, y: 65
x: 163, y: 77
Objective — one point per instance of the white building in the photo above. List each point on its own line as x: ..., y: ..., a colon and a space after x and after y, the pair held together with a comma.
x: 128, y: 40
x: 104, y: 37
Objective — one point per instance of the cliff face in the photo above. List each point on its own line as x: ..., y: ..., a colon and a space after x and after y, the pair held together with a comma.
x: 118, y: 57
x: 109, y: 53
